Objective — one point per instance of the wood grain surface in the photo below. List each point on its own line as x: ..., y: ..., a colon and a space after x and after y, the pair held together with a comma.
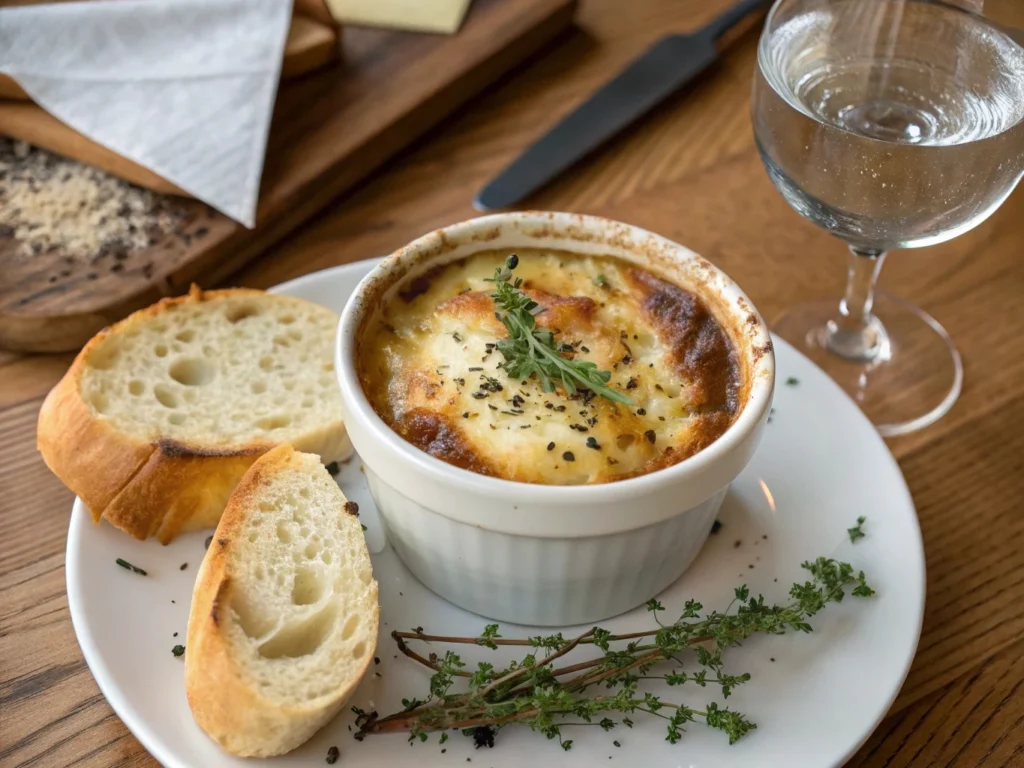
x: 330, y: 129
x: 688, y: 172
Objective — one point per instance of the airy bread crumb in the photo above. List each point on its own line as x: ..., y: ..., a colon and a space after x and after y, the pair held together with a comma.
x: 284, y: 614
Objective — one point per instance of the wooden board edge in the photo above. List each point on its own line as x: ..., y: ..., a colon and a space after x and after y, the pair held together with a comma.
x: 68, y: 333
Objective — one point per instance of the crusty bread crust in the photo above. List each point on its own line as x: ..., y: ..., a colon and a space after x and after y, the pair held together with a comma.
x: 158, y: 488
x: 230, y: 710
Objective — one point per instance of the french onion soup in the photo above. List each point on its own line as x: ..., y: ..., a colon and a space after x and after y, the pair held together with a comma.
x: 619, y: 373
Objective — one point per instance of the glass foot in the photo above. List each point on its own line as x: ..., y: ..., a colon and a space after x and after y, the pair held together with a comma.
x: 915, y: 376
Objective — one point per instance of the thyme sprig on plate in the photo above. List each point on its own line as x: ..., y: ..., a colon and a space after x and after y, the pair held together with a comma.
x: 531, y: 351
x: 537, y: 692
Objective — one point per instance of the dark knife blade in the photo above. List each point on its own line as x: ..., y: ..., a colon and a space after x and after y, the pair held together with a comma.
x: 665, y: 68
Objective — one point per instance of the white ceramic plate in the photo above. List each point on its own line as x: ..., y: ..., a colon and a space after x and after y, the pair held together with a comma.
x: 815, y: 698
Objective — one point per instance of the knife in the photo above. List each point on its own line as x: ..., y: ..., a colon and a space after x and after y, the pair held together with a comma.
x: 666, y: 67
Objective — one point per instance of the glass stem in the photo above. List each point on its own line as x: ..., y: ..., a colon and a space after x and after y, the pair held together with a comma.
x: 855, y: 334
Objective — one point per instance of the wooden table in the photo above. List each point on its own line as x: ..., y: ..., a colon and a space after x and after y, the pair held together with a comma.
x: 690, y: 173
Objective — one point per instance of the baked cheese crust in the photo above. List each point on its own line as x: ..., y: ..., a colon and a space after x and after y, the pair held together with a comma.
x: 428, y: 364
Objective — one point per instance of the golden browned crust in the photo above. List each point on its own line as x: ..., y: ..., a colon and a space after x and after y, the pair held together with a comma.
x: 175, y: 488
x: 433, y: 432
x: 227, y: 707
x: 701, y: 350
x: 437, y: 402
x: 75, y: 444
x: 145, y: 488
x: 565, y: 314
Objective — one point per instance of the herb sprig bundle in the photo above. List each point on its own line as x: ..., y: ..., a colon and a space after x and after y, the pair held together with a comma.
x: 531, y: 351
x: 538, y: 693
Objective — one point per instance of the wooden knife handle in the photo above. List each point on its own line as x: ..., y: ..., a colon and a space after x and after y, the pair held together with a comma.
x: 311, y: 45
x: 316, y: 10
x: 21, y: 120
x: 9, y: 88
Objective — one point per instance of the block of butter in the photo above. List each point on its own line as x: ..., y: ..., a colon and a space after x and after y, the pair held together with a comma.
x: 443, y: 16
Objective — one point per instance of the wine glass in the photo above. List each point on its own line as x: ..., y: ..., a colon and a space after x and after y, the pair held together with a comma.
x: 892, y: 124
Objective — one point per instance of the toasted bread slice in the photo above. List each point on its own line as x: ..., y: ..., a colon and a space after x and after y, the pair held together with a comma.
x: 161, y: 414
x: 284, y: 611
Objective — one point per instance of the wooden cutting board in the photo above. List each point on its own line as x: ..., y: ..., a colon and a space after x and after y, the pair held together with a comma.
x: 330, y: 130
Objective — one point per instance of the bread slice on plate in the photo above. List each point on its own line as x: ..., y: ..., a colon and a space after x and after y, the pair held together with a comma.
x: 284, y: 614
x: 161, y: 414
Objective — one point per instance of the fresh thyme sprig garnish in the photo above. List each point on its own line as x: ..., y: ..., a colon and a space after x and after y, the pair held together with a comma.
x: 536, y: 692
x: 531, y: 351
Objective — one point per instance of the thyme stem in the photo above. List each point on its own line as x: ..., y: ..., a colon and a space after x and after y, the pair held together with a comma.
x: 535, y: 693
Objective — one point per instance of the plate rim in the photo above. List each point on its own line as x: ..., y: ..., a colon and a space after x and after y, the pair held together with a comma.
x: 147, y: 735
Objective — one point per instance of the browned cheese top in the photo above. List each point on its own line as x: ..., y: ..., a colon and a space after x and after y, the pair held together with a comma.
x: 428, y: 365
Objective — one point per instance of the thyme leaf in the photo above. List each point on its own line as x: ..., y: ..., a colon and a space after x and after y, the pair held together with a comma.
x: 857, y: 532
x: 546, y: 696
x: 530, y: 351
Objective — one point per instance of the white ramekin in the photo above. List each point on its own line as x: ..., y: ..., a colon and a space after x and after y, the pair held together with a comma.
x: 542, y: 554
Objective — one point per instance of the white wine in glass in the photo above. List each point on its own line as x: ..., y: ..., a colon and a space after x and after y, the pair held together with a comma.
x: 892, y: 124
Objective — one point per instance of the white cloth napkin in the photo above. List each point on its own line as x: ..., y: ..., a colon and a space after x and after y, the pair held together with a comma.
x: 183, y: 87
